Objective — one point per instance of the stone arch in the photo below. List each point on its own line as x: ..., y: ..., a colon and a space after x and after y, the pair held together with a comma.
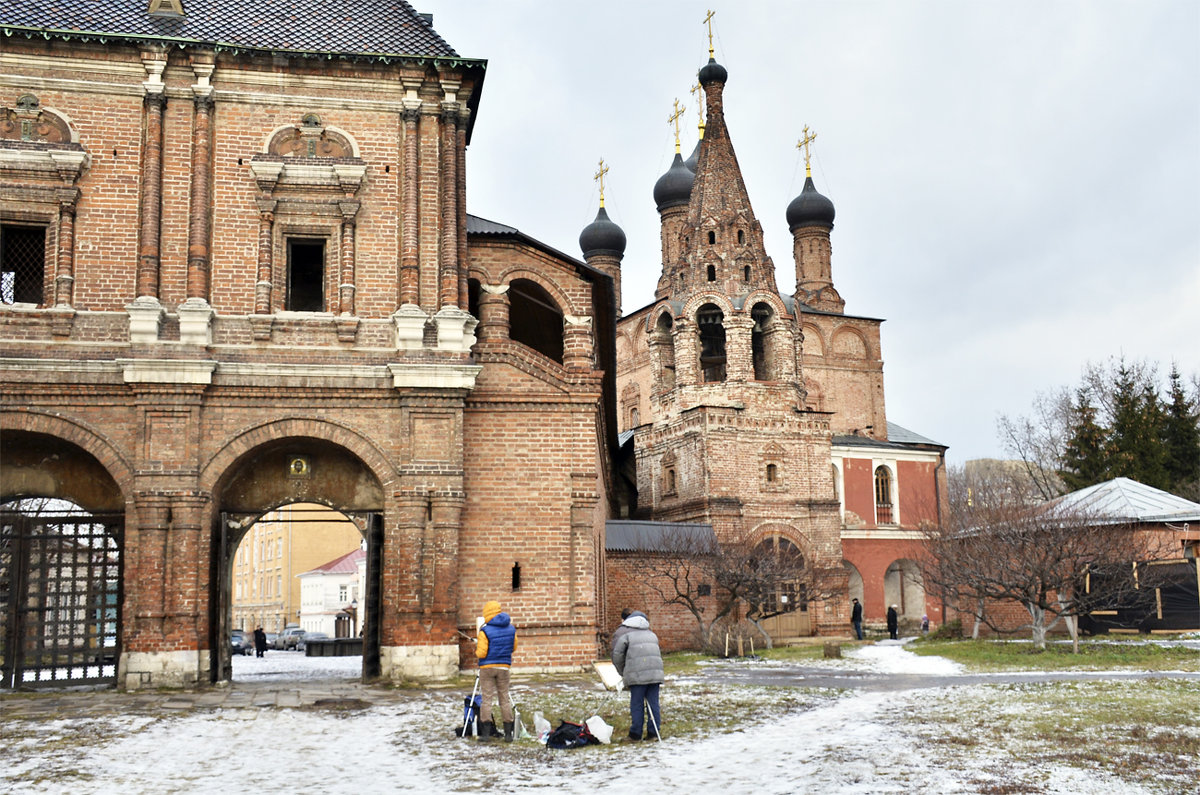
x: 855, y: 578
x: 23, y: 434
x: 815, y: 398
x: 814, y: 340
x: 277, y: 431
x: 849, y: 343
x: 290, y: 140
x: 535, y: 319
x: 770, y: 342
x: 904, y: 587
x: 710, y: 321
x: 560, y: 297
x: 664, y: 346
x: 789, y: 596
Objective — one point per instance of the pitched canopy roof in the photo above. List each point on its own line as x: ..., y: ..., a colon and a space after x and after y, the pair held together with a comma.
x: 1125, y: 500
x: 330, y: 27
x: 346, y: 564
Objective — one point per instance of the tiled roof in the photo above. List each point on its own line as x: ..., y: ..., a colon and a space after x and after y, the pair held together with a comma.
x: 905, y: 436
x: 346, y: 564
x: 1125, y: 500
x: 624, y: 535
x: 898, y: 438
x: 366, y: 27
x: 482, y: 226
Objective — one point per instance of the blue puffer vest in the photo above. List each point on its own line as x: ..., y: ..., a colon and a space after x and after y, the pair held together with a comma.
x: 500, y: 634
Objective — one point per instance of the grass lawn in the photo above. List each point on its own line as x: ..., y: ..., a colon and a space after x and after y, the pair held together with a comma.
x: 1094, y: 655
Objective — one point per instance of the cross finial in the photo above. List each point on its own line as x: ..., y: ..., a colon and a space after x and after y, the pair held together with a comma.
x: 699, y: 92
x: 599, y: 177
x: 674, y: 119
x: 708, y: 21
x: 803, y: 143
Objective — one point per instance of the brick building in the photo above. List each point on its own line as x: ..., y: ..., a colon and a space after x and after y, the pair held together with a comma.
x: 761, y: 414
x: 237, y: 276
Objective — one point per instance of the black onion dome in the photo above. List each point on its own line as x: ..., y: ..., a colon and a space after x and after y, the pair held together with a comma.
x: 693, y: 159
x: 712, y: 72
x: 675, y: 187
x: 602, y: 236
x: 810, y: 208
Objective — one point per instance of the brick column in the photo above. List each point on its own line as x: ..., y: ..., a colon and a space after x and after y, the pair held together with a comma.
x: 448, y: 166
x: 577, y: 343
x: 266, y: 247
x: 349, y: 210
x: 64, y: 277
x: 493, y: 313
x: 687, y: 352
x: 198, y: 208
x: 151, y: 195
x: 739, y: 359
x: 409, y: 263
x: 464, y: 266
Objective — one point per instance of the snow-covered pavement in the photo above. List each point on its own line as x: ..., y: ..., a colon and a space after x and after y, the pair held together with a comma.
x: 856, y: 742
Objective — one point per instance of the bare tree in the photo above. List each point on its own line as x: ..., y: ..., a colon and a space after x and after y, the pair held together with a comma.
x: 1039, y: 441
x: 734, y: 579
x: 997, y: 546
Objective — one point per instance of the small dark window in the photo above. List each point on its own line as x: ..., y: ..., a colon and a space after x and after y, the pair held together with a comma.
x: 23, y: 272
x: 670, y: 485
x: 703, y: 590
x: 712, y: 238
x: 772, y: 473
x: 516, y: 577
x: 741, y: 237
x: 712, y: 273
x: 746, y: 273
x: 306, y: 275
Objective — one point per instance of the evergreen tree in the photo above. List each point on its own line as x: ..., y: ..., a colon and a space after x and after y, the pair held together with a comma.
x: 1134, y: 447
x: 1181, y: 440
x: 1083, y: 461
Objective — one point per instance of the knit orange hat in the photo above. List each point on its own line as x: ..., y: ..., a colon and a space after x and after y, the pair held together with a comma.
x: 491, y: 610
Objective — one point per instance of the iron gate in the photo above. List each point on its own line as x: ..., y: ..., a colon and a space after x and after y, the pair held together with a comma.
x: 60, y: 599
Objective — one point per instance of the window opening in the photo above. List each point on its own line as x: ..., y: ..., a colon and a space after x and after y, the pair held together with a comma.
x: 711, y: 321
x: 746, y: 273
x: 670, y: 486
x: 712, y: 238
x: 516, y: 576
x: 772, y: 473
x: 761, y: 315
x: 535, y: 319
x: 712, y: 273
x: 883, y: 496
x: 306, y: 275
x: 23, y: 268
x: 741, y: 237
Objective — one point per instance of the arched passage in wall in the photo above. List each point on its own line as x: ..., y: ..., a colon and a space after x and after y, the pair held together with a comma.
x: 272, y: 496
x: 855, y: 590
x: 711, y: 322
x: 904, y: 587
x: 62, y: 551
x: 535, y: 319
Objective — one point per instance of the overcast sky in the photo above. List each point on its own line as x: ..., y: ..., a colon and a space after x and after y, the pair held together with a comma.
x: 1017, y: 184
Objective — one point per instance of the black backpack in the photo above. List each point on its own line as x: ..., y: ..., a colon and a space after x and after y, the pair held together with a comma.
x: 569, y: 735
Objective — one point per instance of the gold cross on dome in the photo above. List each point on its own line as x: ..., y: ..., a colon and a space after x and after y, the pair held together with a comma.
x: 699, y: 92
x: 599, y: 177
x: 674, y: 119
x: 708, y: 21
x: 803, y: 144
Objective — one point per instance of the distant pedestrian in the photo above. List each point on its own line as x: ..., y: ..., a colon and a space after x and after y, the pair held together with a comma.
x: 638, y: 659
x: 497, y: 640
x: 924, y: 625
x: 893, y: 621
x: 260, y: 642
x: 856, y: 618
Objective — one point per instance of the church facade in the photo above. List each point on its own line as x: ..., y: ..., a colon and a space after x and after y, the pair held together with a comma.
x: 239, y: 274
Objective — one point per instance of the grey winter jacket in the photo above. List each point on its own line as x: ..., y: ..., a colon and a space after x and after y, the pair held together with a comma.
x: 636, y: 653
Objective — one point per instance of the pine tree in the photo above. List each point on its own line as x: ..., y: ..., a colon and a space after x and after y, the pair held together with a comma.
x: 1181, y: 440
x: 1134, y: 447
x: 1084, y: 458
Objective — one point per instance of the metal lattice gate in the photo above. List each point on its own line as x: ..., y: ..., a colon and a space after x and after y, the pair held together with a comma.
x: 60, y: 599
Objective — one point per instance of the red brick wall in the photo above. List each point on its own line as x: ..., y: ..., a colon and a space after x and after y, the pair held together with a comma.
x: 858, y: 485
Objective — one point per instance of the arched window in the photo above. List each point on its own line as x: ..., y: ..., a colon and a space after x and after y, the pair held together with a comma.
x: 711, y: 321
x: 634, y: 417
x: 772, y: 473
x: 535, y: 319
x: 883, y: 495
x: 741, y: 237
x: 781, y: 567
x: 712, y: 238
x: 669, y: 481
x: 746, y: 273
x: 761, y: 315
x: 712, y: 273
x: 666, y: 351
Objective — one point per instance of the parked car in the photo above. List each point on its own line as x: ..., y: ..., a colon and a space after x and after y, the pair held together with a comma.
x: 288, y: 638
x: 241, y: 642
x: 271, y: 637
x: 302, y: 643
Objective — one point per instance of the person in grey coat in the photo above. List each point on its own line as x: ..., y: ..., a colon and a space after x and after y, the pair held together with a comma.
x: 637, y: 658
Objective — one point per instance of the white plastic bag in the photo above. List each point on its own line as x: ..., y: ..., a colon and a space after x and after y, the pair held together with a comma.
x: 599, y: 729
x: 541, y: 727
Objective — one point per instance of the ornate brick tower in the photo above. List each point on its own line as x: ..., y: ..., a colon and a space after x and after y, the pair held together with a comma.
x: 727, y: 439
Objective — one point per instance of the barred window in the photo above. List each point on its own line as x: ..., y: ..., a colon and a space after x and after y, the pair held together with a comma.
x: 22, y: 263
